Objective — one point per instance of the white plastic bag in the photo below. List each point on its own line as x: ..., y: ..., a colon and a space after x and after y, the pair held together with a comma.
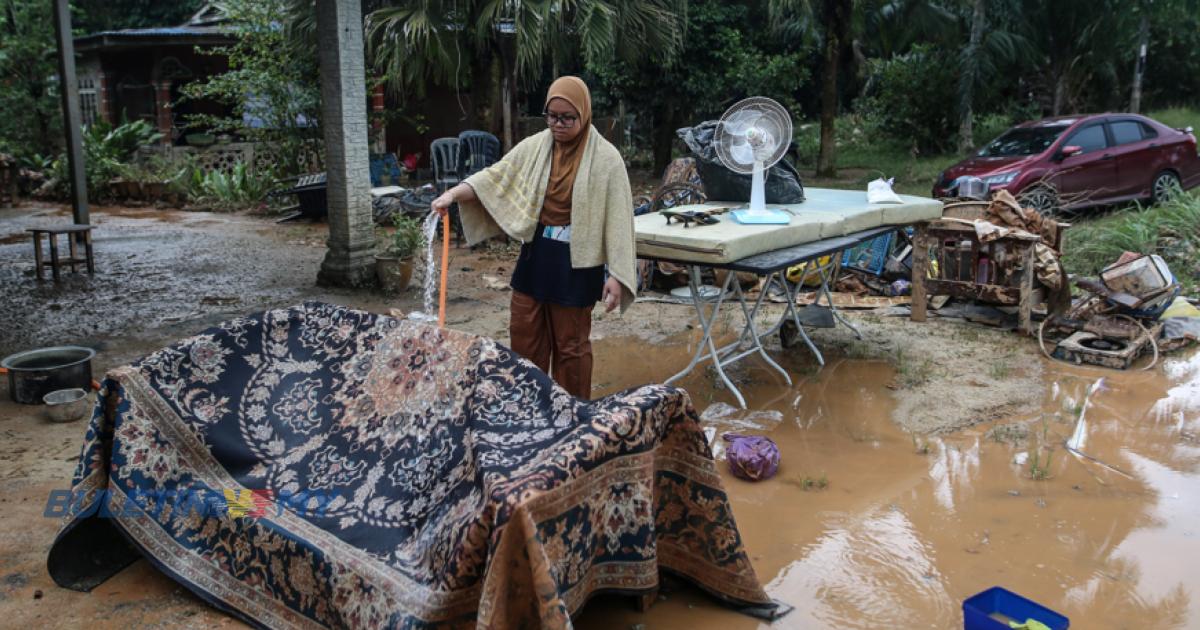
x: 880, y: 191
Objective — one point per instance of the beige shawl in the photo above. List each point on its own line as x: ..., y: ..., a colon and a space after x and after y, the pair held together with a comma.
x: 510, y: 195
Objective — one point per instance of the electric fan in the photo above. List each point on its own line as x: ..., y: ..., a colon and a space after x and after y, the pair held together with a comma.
x: 750, y: 138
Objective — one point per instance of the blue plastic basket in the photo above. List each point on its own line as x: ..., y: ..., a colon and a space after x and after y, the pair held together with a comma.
x: 870, y: 256
x: 978, y: 608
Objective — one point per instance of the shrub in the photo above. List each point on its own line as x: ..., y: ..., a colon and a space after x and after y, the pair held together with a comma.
x: 1171, y: 230
x: 408, y: 238
x: 107, y: 151
x: 911, y: 98
x: 236, y: 189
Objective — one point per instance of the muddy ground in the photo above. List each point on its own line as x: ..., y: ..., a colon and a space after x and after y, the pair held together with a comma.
x: 907, y: 482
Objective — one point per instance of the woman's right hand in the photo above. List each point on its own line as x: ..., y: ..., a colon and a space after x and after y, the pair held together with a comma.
x: 442, y: 204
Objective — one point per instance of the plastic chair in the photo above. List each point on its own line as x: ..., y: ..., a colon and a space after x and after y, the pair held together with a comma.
x: 444, y: 154
x: 478, y: 150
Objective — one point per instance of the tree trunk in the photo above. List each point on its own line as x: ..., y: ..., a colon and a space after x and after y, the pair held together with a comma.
x: 664, y: 136
x: 970, y: 76
x: 837, y: 30
x: 1060, y: 94
x: 1135, y: 100
x: 507, y: 106
x: 496, y: 97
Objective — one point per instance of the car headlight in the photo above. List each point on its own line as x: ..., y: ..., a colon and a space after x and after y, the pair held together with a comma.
x: 1001, y: 178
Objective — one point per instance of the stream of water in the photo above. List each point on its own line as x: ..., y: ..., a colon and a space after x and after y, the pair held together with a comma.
x: 431, y: 269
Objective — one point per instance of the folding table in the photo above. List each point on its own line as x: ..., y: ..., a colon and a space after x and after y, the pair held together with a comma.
x: 770, y: 266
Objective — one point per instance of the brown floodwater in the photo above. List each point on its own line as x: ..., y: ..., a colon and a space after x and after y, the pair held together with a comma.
x: 906, y: 528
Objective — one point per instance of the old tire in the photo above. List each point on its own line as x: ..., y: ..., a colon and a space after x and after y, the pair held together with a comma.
x: 1166, y: 185
x: 1044, y: 199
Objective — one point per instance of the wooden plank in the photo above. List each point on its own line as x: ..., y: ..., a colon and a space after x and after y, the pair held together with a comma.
x: 37, y: 255
x: 920, y: 265
x: 971, y: 291
x: 1025, y: 305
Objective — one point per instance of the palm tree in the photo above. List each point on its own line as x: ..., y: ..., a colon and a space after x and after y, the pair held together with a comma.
x: 990, y: 43
x: 451, y: 42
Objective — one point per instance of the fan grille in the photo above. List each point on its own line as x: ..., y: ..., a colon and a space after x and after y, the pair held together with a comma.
x: 773, y: 118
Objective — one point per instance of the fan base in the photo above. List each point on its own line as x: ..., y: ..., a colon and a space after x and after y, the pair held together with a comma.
x: 746, y: 216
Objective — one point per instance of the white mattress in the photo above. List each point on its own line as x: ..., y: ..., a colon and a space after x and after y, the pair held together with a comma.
x: 826, y: 213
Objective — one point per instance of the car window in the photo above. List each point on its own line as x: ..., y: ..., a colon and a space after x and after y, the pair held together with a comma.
x: 1126, y: 132
x: 1022, y: 141
x: 1089, y: 139
x: 1148, y: 131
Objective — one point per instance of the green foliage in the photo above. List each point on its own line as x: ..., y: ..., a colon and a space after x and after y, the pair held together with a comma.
x: 1039, y: 469
x: 728, y: 53
x: 911, y: 99
x: 239, y: 188
x: 92, y: 16
x: 30, y: 123
x: 272, y: 78
x: 176, y: 174
x: 443, y: 41
x: 407, y: 239
x: 1171, y: 230
x: 722, y: 60
x: 107, y: 151
x: 1178, y: 117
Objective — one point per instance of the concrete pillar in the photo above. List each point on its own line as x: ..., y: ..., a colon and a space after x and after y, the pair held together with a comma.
x: 72, y: 120
x: 349, y: 259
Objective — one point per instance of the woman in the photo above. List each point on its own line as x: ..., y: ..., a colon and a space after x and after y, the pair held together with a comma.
x: 564, y: 194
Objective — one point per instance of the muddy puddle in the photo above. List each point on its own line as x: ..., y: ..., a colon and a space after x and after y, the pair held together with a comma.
x: 866, y: 526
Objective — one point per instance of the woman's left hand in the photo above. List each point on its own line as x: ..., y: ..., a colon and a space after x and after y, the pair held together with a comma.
x: 611, y: 295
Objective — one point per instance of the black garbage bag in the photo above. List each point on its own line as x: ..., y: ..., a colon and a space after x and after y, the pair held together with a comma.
x: 783, y: 184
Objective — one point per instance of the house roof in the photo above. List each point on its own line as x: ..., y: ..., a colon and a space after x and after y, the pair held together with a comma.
x: 209, y: 26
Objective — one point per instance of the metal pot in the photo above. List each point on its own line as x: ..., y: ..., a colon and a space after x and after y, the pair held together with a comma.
x: 35, y: 373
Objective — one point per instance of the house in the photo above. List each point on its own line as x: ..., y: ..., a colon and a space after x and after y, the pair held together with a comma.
x: 138, y: 73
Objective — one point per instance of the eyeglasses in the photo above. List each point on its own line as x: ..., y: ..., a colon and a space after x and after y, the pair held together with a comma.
x: 567, y: 121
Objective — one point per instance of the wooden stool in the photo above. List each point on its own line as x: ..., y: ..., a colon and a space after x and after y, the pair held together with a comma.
x: 55, y: 262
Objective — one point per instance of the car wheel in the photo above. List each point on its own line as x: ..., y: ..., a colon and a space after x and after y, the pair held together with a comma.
x: 1166, y: 186
x: 1041, y: 198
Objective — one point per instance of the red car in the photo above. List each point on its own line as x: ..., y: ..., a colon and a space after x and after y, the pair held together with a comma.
x: 1073, y: 162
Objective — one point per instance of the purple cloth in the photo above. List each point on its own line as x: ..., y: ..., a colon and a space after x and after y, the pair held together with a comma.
x: 752, y: 457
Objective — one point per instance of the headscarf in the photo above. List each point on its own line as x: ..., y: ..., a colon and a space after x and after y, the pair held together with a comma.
x: 567, y: 155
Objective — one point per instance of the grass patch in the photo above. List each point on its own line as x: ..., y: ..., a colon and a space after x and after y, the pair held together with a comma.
x: 811, y: 483
x: 912, y: 371
x: 860, y: 159
x: 1000, y: 370
x: 1014, y: 433
x: 1039, y: 469
x: 1177, y: 117
x: 1171, y: 230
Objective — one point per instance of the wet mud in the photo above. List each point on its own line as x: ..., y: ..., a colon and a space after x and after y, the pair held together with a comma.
x: 870, y: 522
x: 906, y: 526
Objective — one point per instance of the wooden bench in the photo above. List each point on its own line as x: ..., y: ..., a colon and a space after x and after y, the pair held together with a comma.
x: 55, y: 261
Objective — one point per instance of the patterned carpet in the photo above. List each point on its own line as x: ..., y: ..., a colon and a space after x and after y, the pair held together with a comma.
x: 324, y: 467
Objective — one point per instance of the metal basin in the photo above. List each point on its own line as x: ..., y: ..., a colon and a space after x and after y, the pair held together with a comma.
x: 35, y: 373
x: 66, y: 405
